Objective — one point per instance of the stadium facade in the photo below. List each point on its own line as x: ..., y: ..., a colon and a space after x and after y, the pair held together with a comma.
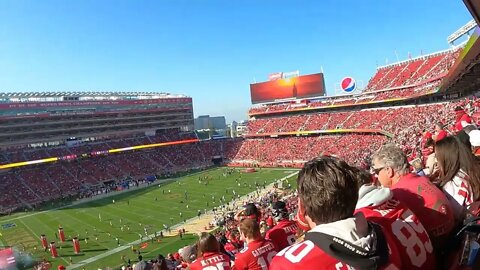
x: 56, y: 118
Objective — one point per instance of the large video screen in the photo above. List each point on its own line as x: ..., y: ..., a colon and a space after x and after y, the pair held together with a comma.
x: 305, y: 86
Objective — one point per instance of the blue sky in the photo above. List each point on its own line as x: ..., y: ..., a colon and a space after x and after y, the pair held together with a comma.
x: 210, y: 49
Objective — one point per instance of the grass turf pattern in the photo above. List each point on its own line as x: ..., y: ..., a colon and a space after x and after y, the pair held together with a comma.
x: 100, y: 222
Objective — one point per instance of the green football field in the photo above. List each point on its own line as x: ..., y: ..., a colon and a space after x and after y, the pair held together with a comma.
x: 99, y: 223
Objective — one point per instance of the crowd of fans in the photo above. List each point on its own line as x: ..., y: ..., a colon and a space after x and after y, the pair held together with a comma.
x: 413, y: 71
x: 407, y: 124
x: 294, y: 151
x: 32, y: 185
x: 407, y: 79
x: 392, y: 119
x: 391, y: 214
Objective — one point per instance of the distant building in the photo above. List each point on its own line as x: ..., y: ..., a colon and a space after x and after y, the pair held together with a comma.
x: 208, y: 122
x: 241, y: 128
x: 232, y: 130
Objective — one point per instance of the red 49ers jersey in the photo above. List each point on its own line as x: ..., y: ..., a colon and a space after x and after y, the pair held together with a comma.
x: 256, y: 256
x: 428, y: 202
x: 402, y: 226
x: 307, y: 256
x: 283, y: 234
x: 211, y: 261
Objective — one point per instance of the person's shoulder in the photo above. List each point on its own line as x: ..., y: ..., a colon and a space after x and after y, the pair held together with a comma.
x: 304, y: 255
x: 195, y: 264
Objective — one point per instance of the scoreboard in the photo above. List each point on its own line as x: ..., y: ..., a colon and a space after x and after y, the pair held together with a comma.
x: 305, y: 86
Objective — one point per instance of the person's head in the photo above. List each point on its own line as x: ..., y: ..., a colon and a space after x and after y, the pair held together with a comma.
x: 389, y: 164
x: 251, y: 211
x: 469, y: 128
x: 189, y: 253
x: 249, y: 230
x: 140, y: 258
x: 327, y: 191
x: 279, y: 210
x: 438, y: 126
x: 429, y: 143
x: 207, y: 243
x: 464, y: 138
x: 161, y: 262
x: 459, y: 111
x: 452, y: 155
x: 363, y: 177
x: 474, y: 137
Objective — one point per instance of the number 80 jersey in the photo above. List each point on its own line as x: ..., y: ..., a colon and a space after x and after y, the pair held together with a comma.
x: 402, y: 227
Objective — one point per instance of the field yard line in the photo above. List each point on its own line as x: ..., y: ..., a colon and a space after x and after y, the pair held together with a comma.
x: 33, y: 234
x: 121, y: 248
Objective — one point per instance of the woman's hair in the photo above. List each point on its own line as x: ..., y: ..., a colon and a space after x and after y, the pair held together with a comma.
x: 452, y: 155
x: 207, y: 243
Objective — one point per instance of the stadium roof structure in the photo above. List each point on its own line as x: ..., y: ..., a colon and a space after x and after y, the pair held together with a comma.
x: 474, y: 8
x: 464, y: 76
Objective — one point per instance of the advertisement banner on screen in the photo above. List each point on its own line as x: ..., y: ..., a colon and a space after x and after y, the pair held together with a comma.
x: 312, y: 85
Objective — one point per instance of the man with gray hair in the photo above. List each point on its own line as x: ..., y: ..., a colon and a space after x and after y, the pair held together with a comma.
x: 428, y: 202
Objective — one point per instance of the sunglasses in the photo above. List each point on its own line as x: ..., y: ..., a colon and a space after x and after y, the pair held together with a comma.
x: 376, y: 171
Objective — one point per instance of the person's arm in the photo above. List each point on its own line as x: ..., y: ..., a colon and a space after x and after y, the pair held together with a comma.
x: 239, y: 214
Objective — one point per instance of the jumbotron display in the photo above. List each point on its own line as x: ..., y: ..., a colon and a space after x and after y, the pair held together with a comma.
x: 312, y: 85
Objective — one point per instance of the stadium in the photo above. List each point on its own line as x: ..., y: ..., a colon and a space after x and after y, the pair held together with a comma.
x: 110, y: 180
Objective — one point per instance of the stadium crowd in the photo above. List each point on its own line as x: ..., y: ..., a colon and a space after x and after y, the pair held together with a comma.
x: 33, y: 185
x: 363, y: 200
x: 407, y: 79
x: 395, y: 215
x: 411, y: 125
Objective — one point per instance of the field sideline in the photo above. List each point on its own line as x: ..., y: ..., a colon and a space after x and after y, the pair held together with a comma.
x: 99, y: 223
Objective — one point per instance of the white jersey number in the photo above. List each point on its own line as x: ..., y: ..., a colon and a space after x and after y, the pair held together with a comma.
x: 417, y: 250
x: 306, y: 247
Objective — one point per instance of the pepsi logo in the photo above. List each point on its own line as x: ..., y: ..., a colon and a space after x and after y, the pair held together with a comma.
x: 348, y: 84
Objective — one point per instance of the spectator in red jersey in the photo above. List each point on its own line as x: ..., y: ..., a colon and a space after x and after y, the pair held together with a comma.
x: 420, y: 195
x: 459, y: 174
x: 209, y: 255
x: 440, y: 133
x: 259, y: 252
x: 399, y: 224
x: 270, y: 222
x: 474, y: 137
x: 284, y: 232
x: 338, y: 239
x: 462, y: 119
